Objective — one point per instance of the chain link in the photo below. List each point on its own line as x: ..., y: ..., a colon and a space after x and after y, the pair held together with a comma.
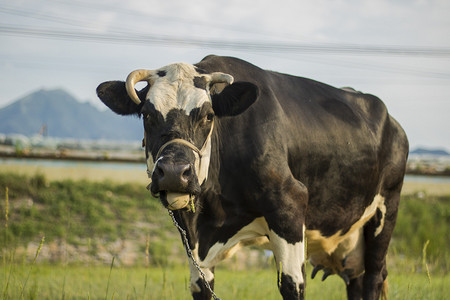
x: 191, y: 256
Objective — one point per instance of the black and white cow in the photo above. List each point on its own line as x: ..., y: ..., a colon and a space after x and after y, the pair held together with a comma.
x: 273, y: 160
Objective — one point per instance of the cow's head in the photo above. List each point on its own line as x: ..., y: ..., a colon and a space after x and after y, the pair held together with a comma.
x: 180, y: 106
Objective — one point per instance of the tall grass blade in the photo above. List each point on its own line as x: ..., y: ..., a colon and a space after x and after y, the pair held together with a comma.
x: 6, y: 207
x: 279, y: 275
x: 147, y: 251
x: 32, y: 265
x: 424, y: 260
x: 145, y: 286
x: 5, y: 290
x: 109, y: 278
x: 63, y: 295
x: 5, y: 238
x: 164, y: 279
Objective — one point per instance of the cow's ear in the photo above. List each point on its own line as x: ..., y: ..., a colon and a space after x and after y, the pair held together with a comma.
x: 115, y: 96
x: 234, y: 99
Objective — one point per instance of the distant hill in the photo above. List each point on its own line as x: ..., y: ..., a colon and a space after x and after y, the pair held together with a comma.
x: 66, y: 117
x: 434, y: 152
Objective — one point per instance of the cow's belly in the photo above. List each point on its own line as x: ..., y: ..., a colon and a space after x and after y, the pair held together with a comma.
x: 343, y: 253
x: 339, y: 253
x: 254, y: 233
x: 347, y: 258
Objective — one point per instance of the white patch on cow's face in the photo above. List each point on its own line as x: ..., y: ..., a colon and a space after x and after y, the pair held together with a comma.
x: 289, y: 257
x: 176, y: 90
x: 252, y: 234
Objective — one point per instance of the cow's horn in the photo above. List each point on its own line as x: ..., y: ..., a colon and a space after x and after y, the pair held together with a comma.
x: 135, y: 77
x: 219, y: 77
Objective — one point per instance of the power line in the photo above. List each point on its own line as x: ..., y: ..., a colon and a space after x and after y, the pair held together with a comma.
x: 265, y: 47
x: 385, y: 67
x: 132, y: 37
x: 38, y: 15
x: 84, y: 23
x: 27, y: 13
x: 181, y: 20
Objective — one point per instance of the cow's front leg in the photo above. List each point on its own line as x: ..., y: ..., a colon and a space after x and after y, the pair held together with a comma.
x: 290, y: 261
x: 199, y: 289
x: 287, y: 239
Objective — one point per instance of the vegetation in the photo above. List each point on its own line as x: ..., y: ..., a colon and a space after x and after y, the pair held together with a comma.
x: 76, y: 282
x: 91, y: 230
x: 422, y: 231
x: 95, y: 219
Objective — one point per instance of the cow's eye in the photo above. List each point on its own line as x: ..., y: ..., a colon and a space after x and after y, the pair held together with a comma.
x: 207, y: 119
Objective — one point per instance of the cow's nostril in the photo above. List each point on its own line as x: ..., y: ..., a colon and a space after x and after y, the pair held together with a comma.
x: 187, y: 172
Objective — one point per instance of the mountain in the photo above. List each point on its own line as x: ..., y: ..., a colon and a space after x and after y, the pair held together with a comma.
x: 66, y: 117
x: 435, y: 152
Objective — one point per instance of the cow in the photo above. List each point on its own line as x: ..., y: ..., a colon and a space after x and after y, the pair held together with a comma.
x: 244, y: 156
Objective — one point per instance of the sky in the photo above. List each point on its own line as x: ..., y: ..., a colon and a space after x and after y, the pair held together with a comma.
x: 396, y: 50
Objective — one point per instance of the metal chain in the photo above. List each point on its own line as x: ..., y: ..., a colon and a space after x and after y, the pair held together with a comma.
x: 191, y: 256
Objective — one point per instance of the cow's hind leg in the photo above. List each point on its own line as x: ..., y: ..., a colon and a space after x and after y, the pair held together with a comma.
x: 377, y: 234
x: 355, y: 288
x: 378, y: 231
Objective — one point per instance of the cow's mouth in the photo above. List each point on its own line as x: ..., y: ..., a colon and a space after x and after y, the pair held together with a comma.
x: 175, y: 200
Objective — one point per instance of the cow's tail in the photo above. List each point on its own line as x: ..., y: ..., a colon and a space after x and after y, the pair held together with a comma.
x: 384, y: 290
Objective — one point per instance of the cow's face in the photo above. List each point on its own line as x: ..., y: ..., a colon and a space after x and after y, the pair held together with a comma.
x: 179, y: 106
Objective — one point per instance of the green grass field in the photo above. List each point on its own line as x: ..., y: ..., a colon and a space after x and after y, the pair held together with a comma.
x: 87, y: 224
x: 102, y: 282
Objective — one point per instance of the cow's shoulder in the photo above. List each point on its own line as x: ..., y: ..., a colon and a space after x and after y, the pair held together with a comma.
x: 240, y: 69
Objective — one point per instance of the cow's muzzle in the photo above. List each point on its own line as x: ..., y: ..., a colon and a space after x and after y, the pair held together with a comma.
x: 175, y: 184
x: 178, y: 183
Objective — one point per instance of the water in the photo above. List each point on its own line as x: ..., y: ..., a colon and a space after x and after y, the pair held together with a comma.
x: 427, y: 179
x: 139, y: 166
x: 73, y: 164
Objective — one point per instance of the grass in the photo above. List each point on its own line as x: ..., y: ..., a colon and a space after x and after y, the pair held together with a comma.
x: 78, y: 282
x: 422, y: 233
